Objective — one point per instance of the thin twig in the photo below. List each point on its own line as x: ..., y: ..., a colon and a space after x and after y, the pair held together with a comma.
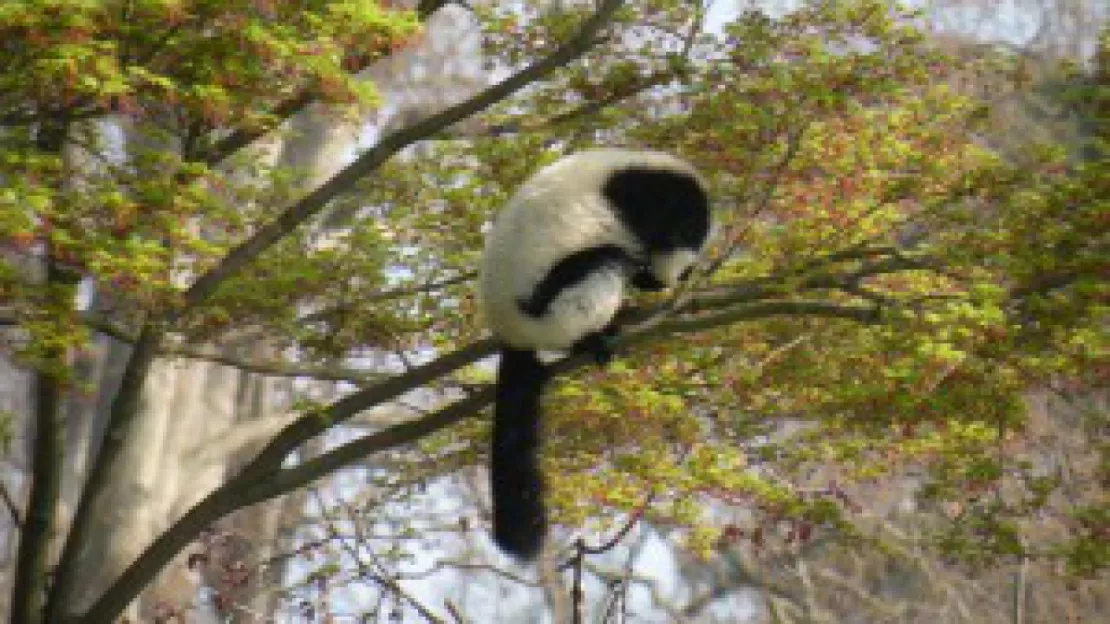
x: 9, y: 502
x: 576, y: 591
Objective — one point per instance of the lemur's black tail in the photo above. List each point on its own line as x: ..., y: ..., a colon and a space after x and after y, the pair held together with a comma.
x: 519, y: 519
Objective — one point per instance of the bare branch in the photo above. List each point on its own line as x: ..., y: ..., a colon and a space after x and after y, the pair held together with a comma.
x: 612, y: 542
x: 474, y: 567
x: 593, y: 107
x: 454, y: 611
x: 9, y: 502
x: 277, y: 368
x: 365, y: 571
x: 577, y: 594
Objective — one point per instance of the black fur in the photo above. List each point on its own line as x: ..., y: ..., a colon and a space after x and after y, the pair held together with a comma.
x: 519, y: 515
x: 645, y: 280
x: 519, y: 518
x: 665, y: 209
x: 572, y: 270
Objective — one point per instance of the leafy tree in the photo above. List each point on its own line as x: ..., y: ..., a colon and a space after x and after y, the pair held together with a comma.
x: 882, y: 292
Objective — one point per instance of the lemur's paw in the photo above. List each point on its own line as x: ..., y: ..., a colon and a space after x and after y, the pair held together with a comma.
x: 598, y: 344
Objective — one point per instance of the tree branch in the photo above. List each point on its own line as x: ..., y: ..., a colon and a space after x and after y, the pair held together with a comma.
x: 40, y: 517
x: 225, y: 147
x: 275, y: 368
x: 813, y: 276
x: 263, y: 479
x: 267, y: 235
x: 859, y: 313
x: 28, y: 588
x: 793, y: 147
x: 394, y: 293
x: 122, y: 414
x: 358, y: 449
x: 232, y: 496
x: 311, y: 425
x: 367, y: 571
x: 13, y: 508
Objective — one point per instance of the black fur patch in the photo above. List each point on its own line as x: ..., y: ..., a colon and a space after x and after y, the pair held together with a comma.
x: 666, y: 209
x: 519, y: 516
x: 570, y: 271
x: 645, y: 280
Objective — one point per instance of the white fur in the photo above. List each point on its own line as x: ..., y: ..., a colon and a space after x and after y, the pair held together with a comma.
x: 558, y: 211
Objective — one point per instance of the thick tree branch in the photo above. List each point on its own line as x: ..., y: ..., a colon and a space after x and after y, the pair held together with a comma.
x: 39, y: 520
x: 42, y: 505
x: 256, y: 484
x: 311, y: 425
x: 232, y: 496
x: 274, y: 483
x: 122, y: 414
x: 267, y: 235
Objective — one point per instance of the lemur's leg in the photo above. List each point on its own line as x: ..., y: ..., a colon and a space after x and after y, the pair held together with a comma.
x: 598, y: 344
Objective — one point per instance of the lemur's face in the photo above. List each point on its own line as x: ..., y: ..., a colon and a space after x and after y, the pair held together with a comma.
x: 679, y: 246
x: 674, y: 266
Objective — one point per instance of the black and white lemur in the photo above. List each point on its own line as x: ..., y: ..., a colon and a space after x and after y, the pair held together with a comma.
x: 553, y: 276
